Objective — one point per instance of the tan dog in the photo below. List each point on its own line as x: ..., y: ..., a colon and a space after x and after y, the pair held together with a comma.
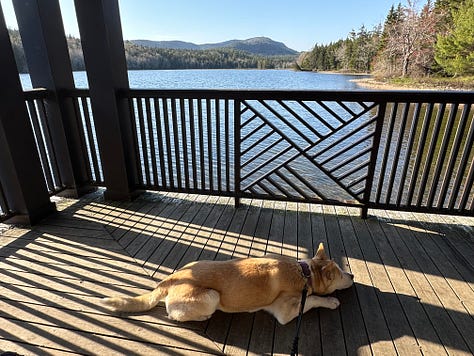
x: 271, y: 283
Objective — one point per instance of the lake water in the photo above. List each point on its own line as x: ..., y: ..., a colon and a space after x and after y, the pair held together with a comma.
x: 245, y: 79
x: 226, y: 79
x: 285, y: 80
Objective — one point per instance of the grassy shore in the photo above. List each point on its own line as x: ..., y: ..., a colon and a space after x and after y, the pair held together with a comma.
x: 432, y: 83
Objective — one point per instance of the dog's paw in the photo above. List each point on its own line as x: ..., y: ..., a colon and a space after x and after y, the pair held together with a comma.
x: 332, y: 303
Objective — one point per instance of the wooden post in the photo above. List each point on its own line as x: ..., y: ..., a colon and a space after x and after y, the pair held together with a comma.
x: 49, y: 65
x: 20, y: 168
x: 104, y: 56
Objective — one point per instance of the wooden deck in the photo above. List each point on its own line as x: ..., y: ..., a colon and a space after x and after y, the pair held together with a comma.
x: 414, y: 273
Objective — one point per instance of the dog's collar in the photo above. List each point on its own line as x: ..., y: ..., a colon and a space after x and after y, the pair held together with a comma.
x: 305, y: 272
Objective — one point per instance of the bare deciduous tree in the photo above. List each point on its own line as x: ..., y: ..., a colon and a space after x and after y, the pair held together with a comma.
x: 409, y: 44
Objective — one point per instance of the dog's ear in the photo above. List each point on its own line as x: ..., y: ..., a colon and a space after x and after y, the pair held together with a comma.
x: 321, y: 253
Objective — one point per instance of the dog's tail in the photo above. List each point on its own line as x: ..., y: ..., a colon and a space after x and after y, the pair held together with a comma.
x: 136, y: 304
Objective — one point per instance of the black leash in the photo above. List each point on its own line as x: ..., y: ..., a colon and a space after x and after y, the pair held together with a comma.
x: 294, y: 349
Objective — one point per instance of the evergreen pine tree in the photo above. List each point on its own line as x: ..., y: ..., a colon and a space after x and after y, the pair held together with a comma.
x: 455, y: 51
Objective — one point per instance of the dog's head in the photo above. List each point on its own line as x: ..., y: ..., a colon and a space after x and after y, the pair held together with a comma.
x: 328, y: 275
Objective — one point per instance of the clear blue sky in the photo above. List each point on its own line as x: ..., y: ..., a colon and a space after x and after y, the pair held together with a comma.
x: 299, y: 24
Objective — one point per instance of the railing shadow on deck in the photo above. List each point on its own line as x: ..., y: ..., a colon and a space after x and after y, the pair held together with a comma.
x: 135, y: 224
x: 352, y: 242
x: 49, y: 280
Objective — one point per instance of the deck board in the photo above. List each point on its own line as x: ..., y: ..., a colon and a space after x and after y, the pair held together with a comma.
x: 414, y: 274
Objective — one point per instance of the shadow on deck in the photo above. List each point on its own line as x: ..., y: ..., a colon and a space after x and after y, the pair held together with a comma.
x: 414, y: 273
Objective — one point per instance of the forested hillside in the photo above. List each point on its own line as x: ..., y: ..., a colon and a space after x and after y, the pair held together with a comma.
x: 140, y: 57
x: 262, y: 46
x: 434, y: 39
x: 416, y: 40
x: 144, y: 57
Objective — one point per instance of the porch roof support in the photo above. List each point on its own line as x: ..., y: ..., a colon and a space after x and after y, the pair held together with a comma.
x: 44, y: 41
x: 104, y: 56
x: 20, y: 168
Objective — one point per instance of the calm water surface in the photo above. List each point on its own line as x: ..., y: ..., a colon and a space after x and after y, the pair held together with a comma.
x: 226, y: 79
x: 258, y: 79
x: 244, y: 79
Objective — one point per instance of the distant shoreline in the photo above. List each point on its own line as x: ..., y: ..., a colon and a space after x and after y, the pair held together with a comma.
x: 367, y: 81
x: 371, y: 83
x: 374, y: 84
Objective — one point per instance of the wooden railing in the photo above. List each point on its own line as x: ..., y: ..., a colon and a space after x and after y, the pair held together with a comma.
x: 184, y: 141
x: 36, y: 101
x: 391, y: 150
x: 89, y: 145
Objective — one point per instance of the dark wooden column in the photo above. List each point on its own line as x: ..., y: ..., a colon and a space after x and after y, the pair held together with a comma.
x: 47, y: 55
x: 104, y: 56
x: 20, y: 168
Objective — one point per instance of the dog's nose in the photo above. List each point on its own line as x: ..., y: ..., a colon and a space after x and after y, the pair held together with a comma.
x: 351, y: 275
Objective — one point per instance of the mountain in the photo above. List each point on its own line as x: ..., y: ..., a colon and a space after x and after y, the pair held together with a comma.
x: 166, y: 44
x: 258, y: 45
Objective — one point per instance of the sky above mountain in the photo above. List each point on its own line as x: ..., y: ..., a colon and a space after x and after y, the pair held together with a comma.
x: 298, y: 24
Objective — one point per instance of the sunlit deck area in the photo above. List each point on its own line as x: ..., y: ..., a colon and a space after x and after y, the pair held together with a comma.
x: 235, y: 173
x: 414, y: 273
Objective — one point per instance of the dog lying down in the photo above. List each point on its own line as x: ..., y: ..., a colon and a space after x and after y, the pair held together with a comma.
x: 272, y: 283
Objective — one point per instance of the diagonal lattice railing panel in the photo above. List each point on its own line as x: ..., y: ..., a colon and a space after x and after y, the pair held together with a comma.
x: 306, y: 150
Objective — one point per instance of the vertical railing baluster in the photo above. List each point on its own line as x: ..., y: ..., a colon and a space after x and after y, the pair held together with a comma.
x: 193, y: 141
x: 145, y: 164
x: 237, y: 150
x: 209, y: 144
x: 90, y: 137
x: 411, y: 140
x: 184, y: 139
x: 382, y: 106
x: 168, y: 143
x: 161, y: 147
x: 201, y: 145
x: 177, y: 153
x: 151, y: 138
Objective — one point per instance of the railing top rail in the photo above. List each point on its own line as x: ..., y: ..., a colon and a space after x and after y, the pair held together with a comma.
x: 37, y: 93
x: 414, y: 96
x: 336, y: 95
